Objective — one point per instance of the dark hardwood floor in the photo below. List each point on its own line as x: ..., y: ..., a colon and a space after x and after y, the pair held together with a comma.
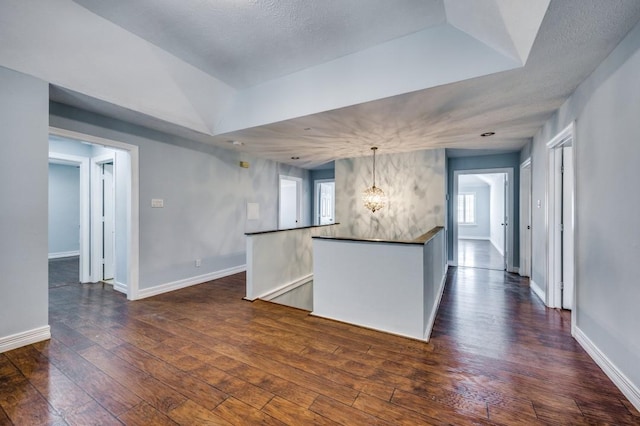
x: 64, y: 271
x: 479, y: 254
x: 202, y: 355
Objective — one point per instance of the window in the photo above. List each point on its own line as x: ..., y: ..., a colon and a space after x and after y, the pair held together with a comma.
x: 467, y: 209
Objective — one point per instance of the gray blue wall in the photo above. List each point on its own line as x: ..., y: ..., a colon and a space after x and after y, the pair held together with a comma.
x: 24, y: 122
x: 486, y: 162
x: 205, y: 193
x: 606, y: 109
x: 64, y: 209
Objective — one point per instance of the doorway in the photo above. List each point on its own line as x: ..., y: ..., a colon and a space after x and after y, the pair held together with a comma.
x: 74, y: 253
x: 324, y: 195
x: 290, y: 202
x: 482, y: 209
x: 561, y: 221
x: 109, y: 227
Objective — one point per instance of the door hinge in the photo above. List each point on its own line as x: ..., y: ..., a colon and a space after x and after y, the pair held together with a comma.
x: 561, y: 286
x: 562, y: 227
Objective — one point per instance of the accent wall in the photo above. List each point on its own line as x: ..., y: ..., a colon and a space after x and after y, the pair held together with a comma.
x: 414, y: 184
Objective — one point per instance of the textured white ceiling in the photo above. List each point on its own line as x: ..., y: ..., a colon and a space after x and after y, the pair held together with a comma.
x: 246, y: 42
x: 575, y: 36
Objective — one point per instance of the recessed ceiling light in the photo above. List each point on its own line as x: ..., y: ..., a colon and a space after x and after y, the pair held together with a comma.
x: 485, y: 134
x: 236, y: 143
x: 295, y: 158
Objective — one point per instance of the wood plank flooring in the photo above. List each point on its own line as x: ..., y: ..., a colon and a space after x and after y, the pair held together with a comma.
x: 202, y: 355
x: 479, y: 254
x: 64, y: 271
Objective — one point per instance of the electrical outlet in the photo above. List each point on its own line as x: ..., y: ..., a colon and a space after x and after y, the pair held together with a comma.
x: 157, y: 203
x: 198, y: 263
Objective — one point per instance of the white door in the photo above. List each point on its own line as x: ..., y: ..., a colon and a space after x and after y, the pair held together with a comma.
x: 290, y: 195
x: 505, y: 222
x: 525, y: 221
x: 108, y: 222
x: 567, y: 227
x: 326, y: 203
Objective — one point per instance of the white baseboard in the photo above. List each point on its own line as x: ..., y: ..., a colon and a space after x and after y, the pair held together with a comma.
x: 432, y: 317
x: 25, y: 338
x: 473, y: 238
x: 62, y: 254
x: 618, y: 378
x: 272, y: 294
x: 537, y: 290
x: 495, y: 246
x: 187, y: 282
x: 122, y: 288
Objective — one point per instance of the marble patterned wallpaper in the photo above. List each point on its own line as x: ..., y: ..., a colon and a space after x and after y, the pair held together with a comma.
x: 414, y: 184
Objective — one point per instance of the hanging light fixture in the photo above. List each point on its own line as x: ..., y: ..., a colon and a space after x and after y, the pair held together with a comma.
x: 374, y: 198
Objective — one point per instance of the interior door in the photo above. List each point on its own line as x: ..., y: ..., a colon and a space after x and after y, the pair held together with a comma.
x: 290, y: 194
x: 525, y: 221
x: 108, y: 222
x: 326, y: 202
x: 567, y: 227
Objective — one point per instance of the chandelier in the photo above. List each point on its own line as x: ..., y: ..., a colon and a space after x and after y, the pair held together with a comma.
x: 374, y: 198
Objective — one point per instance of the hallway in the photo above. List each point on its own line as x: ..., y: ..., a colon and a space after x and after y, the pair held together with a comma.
x: 496, y: 356
x: 479, y: 254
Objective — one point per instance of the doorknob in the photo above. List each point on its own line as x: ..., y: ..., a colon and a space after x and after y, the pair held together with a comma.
x: 528, y: 226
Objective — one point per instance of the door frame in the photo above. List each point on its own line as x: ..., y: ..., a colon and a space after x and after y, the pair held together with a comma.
x: 85, y: 220
x: 526, y: 208
x: 133, y: 204
x: 298, y: 198
x: 316, y: 199
x: 565, y: 137
x: 510, y: 209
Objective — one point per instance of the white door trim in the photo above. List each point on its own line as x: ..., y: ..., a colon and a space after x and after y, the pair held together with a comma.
x: 510, y: 208
x: 566, y: 137
x: 133, y: 207
x: 83, y: 163
x: 298, y: 198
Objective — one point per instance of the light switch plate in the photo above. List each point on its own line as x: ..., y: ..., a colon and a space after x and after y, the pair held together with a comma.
x: 157, y: 203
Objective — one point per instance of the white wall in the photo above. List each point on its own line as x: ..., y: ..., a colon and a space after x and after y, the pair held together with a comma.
x: 23, y: 216
x: 605, y: 108
x: 270, y: 270
x: 358, y: 282
x: 414, y: 184
x: 496, y: 214
x: 64, y: 210
x: 480, y: 230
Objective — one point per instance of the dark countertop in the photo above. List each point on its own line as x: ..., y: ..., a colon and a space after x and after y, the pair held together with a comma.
x: 421, y: 240
x: 289, y: 229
